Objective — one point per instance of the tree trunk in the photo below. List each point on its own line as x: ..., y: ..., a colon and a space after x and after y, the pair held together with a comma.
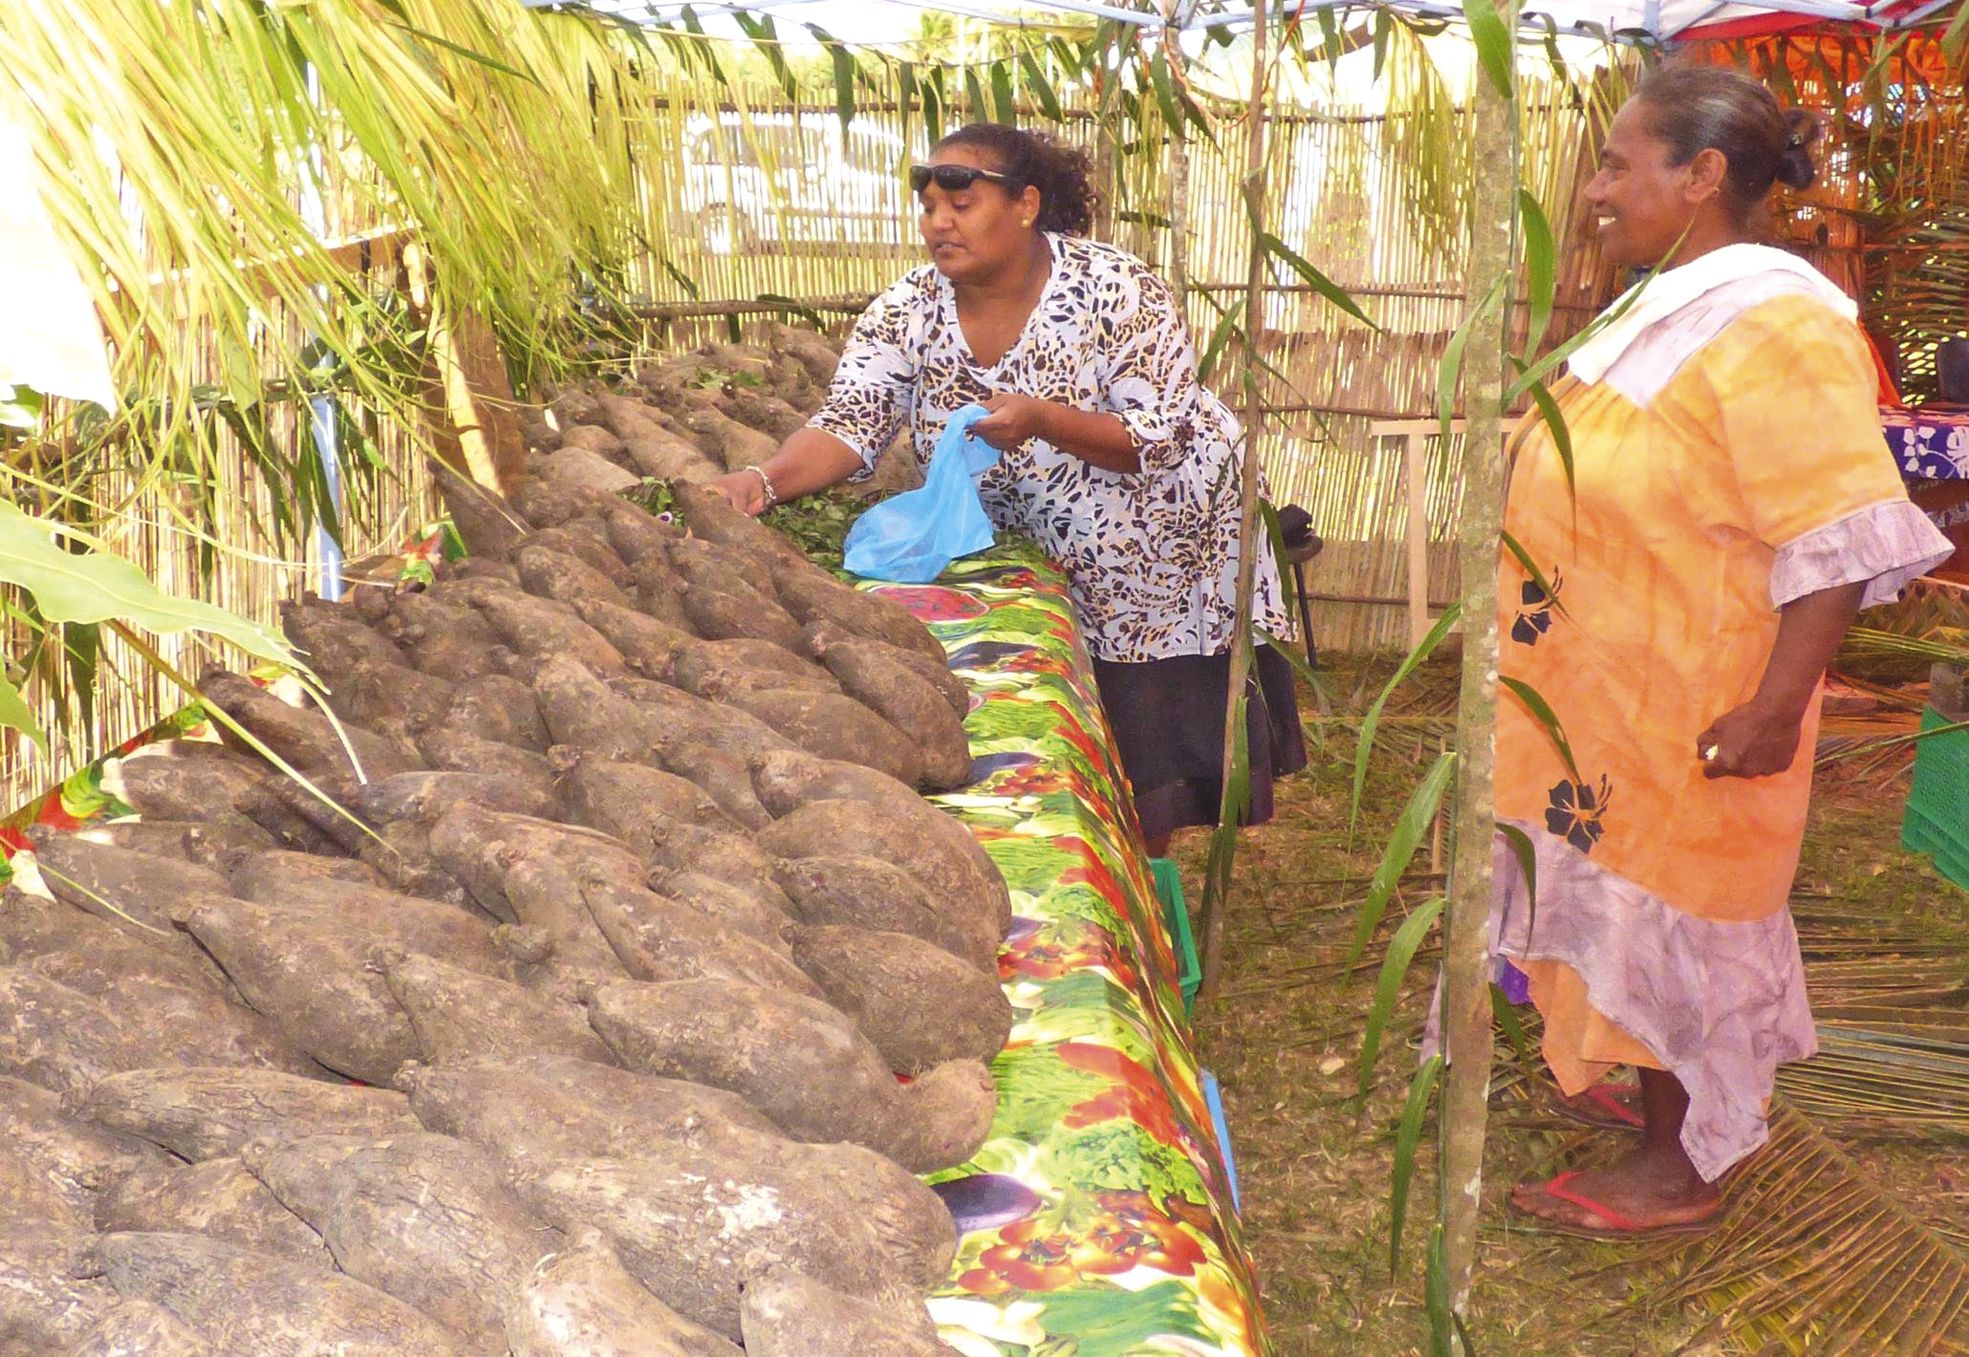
x: 1466, y: 1018
x: 1215, y: 900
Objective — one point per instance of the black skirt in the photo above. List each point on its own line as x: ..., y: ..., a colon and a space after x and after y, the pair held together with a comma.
x: 1168, y: 721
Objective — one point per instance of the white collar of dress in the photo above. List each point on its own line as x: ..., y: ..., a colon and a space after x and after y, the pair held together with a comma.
x: 1661, y: 295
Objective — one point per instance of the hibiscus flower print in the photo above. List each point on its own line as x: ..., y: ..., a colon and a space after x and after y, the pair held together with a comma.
x: 1578, y: 813
x: 1534, y: 610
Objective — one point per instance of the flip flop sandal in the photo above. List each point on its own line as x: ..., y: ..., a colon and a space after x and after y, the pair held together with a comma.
x: 1614, y: 1114
x: 1619, y: 1227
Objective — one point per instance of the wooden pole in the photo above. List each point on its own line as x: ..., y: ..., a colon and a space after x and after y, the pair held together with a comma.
x: 1466, y: 1018
x: 1214, y: 902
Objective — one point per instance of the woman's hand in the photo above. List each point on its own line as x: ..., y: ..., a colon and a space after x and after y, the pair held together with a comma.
x: 1758, y: 739
x: 1013, y: 419
x: 745, y: 490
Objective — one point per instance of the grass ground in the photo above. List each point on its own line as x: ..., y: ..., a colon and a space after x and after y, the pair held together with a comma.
x: 1284, y: 1035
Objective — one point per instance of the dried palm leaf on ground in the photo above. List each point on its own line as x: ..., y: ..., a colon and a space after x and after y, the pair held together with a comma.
x: 1814, y: 1256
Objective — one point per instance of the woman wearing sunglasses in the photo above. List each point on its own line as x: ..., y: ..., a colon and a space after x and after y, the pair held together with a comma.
x: 1116, y: 460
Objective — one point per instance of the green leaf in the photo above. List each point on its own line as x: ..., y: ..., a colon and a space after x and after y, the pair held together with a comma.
x: 844, y: 84
x: 1956, y: 40
x: 1513, y: 1029
x: 1004, y: 103
x: 1321, y: 284
x: 1330, y: 40
x: 798, y: 308
x: 766, y: 38
x: 1542, y: 712
x: 975, y: 95
x: 1435, y: 1296
x: 1165, y: 91
x: 1215, y: 348
x: 1495, y: 47
x: 468, y: 53
x: 1387, y: 990
x: 21, y: 407
x: 1372, y: 720
x: 1411, y: 827
x: 15, y: 715
x: 1042, y: 88
x: 1541, y: 267
x: 1527, y: 856
x: 99, y: 586
x: 1530, y: 567
x: 82, y: 645
x: 1420, y: 1090
x: 1555, y: 421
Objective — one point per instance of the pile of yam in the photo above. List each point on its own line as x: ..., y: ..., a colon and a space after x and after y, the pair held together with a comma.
x: 604, y: 988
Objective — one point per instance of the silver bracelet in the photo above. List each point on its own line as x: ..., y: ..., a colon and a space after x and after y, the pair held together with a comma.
x: 772, y: 495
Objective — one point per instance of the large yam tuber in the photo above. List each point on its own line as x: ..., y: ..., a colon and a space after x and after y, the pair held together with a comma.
x: 121, y: 885
x: 837, y: 647
x: 422, y: 797
x: 304, y: 737
x: 581, y: 1302
x: 378, y: 915
x: 31, y: 927
x: 718, y: 616
x: 768, y: 414
x: 813, y: 595
x: 661, y: 939
x: 634, y: 532
x: 45, y: 1301
x: 833, y: 726
x: 252, y: 1304
x: 52, y: 1036
x: 586, y: 539
x: 676, y: 717
x: 544, y: 504
x: 499, y: 708
x: 960, y: 889
x: 585, y: 714
x: 200, y: 1114
x: 880, y: 677
x: 536, y: 1108
x: 401, y: 855
x: 693, y: 1225
x: 658, y: 453
x: 487, y: 523
x: 579, y: 469
x: 218, y: 844
x: 189, y: 780
x: 422, y: 1217
x: 752, y: 908
x: 525, y: 870
x: 66, y: 1159
x: 718, y: 669
x: 647, y: 644
x: 595, y: 439
x: 565, y: 579
x: 660, y: 590
x: 398, y: 704
x: 282, y: 864
x: 920, y: 1005
x: 728, y: 570
x: 785, y: 1314
x: 862, y: 892
x: 460, y: 751
x: 597, y: 790
x: 458, y: 1014
x: 305, y: 971
x: 139, y: 1328
x: 710, y: 515
x: 800, y: 1062
x: 544, y: 630
x: 183, y: 1022
x: 215, y: 1197
x: 736, y: 446
x: 333, y: 640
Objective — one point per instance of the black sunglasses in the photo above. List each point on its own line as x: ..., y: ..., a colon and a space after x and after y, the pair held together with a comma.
x: 956, y: 178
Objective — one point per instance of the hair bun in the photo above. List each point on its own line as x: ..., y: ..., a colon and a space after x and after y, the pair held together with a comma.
x: 1796, y: 168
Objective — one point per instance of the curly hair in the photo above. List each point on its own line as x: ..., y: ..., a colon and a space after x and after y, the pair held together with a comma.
x: 1060, y: 173
x: 1696, y: 108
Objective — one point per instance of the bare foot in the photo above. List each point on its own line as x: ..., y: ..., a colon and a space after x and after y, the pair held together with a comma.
x: 1650, y: 1190
x: 1608, y: 1106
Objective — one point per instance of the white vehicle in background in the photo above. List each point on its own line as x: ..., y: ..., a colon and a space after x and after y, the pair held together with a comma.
x: 774, y: 182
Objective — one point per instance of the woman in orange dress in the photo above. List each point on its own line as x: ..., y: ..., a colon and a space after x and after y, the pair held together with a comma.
x: 1731, y: 505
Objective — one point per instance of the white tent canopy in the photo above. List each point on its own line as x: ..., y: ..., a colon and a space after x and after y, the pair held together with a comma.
x: 882, y: 21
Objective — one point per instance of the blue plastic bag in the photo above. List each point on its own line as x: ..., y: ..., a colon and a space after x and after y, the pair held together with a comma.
x: 911, y: 537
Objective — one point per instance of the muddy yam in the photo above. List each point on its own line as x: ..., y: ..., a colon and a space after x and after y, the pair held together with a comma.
x: 200, y: 1114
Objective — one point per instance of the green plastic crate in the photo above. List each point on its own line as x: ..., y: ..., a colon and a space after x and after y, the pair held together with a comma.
x: 1937, y: 818
x: 1176, y: 917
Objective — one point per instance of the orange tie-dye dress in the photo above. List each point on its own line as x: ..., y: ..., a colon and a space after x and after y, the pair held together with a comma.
x: 1730, y: 462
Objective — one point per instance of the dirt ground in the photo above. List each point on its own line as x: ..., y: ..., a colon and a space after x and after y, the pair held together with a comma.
x: 1284, y: 1036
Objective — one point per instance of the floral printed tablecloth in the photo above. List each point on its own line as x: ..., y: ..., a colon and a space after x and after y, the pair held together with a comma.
x: 1928, y: 444
x: 1097, y: 1220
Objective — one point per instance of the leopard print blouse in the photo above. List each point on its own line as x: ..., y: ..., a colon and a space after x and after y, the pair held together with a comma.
x: 1151, y: 556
